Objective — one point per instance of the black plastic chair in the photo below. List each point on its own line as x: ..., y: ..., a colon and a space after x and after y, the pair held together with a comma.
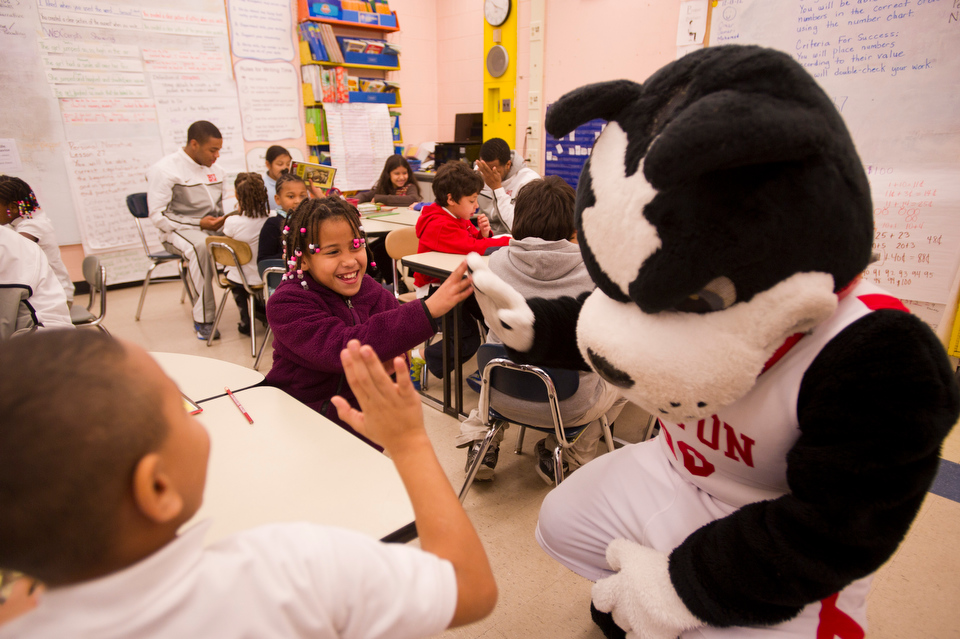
x: 137, y: 204
x: 271, y: 272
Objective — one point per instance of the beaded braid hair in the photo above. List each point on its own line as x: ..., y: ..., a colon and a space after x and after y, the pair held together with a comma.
x: 251, y: 195
x: 13, y: 190
x: 301, y: 234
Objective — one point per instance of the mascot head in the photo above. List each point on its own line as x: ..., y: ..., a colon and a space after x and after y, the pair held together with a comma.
x: 721, y: 210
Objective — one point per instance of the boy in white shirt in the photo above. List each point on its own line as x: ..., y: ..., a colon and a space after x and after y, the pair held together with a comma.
x: 97, y: 484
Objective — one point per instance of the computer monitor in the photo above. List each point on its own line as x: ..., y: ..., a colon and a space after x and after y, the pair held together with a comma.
x: 468, y: 127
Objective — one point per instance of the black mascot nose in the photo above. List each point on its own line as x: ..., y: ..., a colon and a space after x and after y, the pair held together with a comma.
x: 608, y: 371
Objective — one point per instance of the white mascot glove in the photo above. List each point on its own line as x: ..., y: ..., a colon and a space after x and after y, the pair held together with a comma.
x: 641, y: 595
x: 504, y: 308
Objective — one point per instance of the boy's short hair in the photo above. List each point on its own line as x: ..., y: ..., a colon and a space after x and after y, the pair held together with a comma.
x: 457, y: 180
x: 75, y: 423
x: 495, y: 149
x: 544, y: 208
x: 201, y: 131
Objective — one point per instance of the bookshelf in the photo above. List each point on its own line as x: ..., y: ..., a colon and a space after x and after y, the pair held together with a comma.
x: 361, y: 26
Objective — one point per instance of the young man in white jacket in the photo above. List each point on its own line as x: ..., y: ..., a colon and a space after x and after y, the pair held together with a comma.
x: 503, y: 173
x: 185, y: 199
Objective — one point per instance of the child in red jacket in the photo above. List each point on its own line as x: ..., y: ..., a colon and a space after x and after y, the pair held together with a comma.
x: 445, y: 226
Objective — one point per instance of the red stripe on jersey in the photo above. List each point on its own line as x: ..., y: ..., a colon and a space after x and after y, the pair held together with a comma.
x: 789, y: 343
x: 835, y: 623
x: 876, y: 302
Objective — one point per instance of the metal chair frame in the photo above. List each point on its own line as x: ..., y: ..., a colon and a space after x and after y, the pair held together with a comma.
x: 266, y: 274
x: 95, y: 275
x: 137, y: 205
x: 220, y: 248
x: 566, y: 437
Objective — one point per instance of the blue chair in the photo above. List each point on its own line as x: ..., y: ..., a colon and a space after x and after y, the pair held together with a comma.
x: 137, y: 204
x: 271, y: 272
x: 532, y: 384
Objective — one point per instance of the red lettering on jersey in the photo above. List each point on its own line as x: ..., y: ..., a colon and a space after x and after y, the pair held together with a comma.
x: 211, y: 177
x: 714, y: 441
x: 877, y: 302
x: 835, y: 622
x: 734, y: 447
x: 695, y: 463
x: 666, y: 434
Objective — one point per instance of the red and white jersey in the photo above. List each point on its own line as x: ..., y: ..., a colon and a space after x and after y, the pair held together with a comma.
x: 739, y: 455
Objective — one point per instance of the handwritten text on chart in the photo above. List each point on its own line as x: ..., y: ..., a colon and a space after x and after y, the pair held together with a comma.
x: 194, y: 85
x: 175, y: 60
x: 108, y: 117
x: 90, y: 8
x: 83, y: 63
x: 67, y: 18
x: 844, y: 38
x: 915, y: 230
x: 85, y: 77
x: 268, y: 100
x: 185, y: 28
x: 102, y: 173
x: 99, y: 91
x: 260, y: 29
x: 191, y: 17
x: 88, y: 48
x: 94, y: 104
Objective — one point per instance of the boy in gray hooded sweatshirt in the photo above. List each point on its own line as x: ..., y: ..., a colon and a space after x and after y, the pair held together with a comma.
x: 543, y: 260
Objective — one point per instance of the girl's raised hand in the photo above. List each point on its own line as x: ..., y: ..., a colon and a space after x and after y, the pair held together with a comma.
x: 454, y: 290
x: 391, y: 414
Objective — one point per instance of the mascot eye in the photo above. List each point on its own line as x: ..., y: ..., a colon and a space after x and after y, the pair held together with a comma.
x: 718, y: 294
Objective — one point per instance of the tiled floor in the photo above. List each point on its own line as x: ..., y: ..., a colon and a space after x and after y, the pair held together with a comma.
x: 915, y: 595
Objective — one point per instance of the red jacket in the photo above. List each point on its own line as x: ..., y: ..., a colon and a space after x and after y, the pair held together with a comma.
x: 441, y: 231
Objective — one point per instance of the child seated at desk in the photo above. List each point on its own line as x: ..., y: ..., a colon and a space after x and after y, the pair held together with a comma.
x: 96, y: 485
x: 396, y: 187
x: 19, y: 208
x: 326, y: 299
x: 445, y: 226
x: 246, y: 226
x: 543, y: 260
x: 291, y: 191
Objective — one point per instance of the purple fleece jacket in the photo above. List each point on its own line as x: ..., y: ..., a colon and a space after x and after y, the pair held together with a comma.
x: 311, y: 326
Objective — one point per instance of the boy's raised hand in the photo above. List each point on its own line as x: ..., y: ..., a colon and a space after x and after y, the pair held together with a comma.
x: 391, y: 414
x: 454, y: 290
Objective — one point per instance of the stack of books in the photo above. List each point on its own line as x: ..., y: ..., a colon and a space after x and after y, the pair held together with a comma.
x: 322, y: 42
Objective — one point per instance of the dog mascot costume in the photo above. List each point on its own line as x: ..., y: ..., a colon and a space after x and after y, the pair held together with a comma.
x: 725, y: 218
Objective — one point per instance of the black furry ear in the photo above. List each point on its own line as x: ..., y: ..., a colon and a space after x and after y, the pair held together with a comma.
x: 729, y: 129
x: 600, y: 100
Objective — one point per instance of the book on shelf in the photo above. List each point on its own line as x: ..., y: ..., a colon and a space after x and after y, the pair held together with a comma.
x: 310, y: 33
x: 330, y: 43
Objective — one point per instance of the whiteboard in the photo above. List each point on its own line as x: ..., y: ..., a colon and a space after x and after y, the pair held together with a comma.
x: 893, y: 71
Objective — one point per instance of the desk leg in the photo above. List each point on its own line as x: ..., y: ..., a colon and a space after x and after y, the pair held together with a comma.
x: 457, y: 368
x: 447, y: 333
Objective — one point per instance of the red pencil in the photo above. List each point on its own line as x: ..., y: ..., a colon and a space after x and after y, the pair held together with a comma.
x: 237, y: 402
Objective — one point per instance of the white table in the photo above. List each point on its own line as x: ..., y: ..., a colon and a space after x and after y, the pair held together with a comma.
x: 292, y: 464
x: 440, y: 265
x: 203, y: 378
x: 399, y: 216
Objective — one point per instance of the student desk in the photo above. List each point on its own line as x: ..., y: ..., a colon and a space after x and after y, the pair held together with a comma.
x: 203, y: 378
x: 440, y: 265
x: 292, y: 464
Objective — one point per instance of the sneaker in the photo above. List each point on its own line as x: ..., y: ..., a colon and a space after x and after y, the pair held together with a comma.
x: 243, y: 329
x: 545, y: 463
x: 203, y: 330
x: 416, y: 371
x: 475, y: 381
x: 485, y: 471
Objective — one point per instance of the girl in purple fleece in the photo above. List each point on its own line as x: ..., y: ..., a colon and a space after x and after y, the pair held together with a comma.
x: 326, y: 299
